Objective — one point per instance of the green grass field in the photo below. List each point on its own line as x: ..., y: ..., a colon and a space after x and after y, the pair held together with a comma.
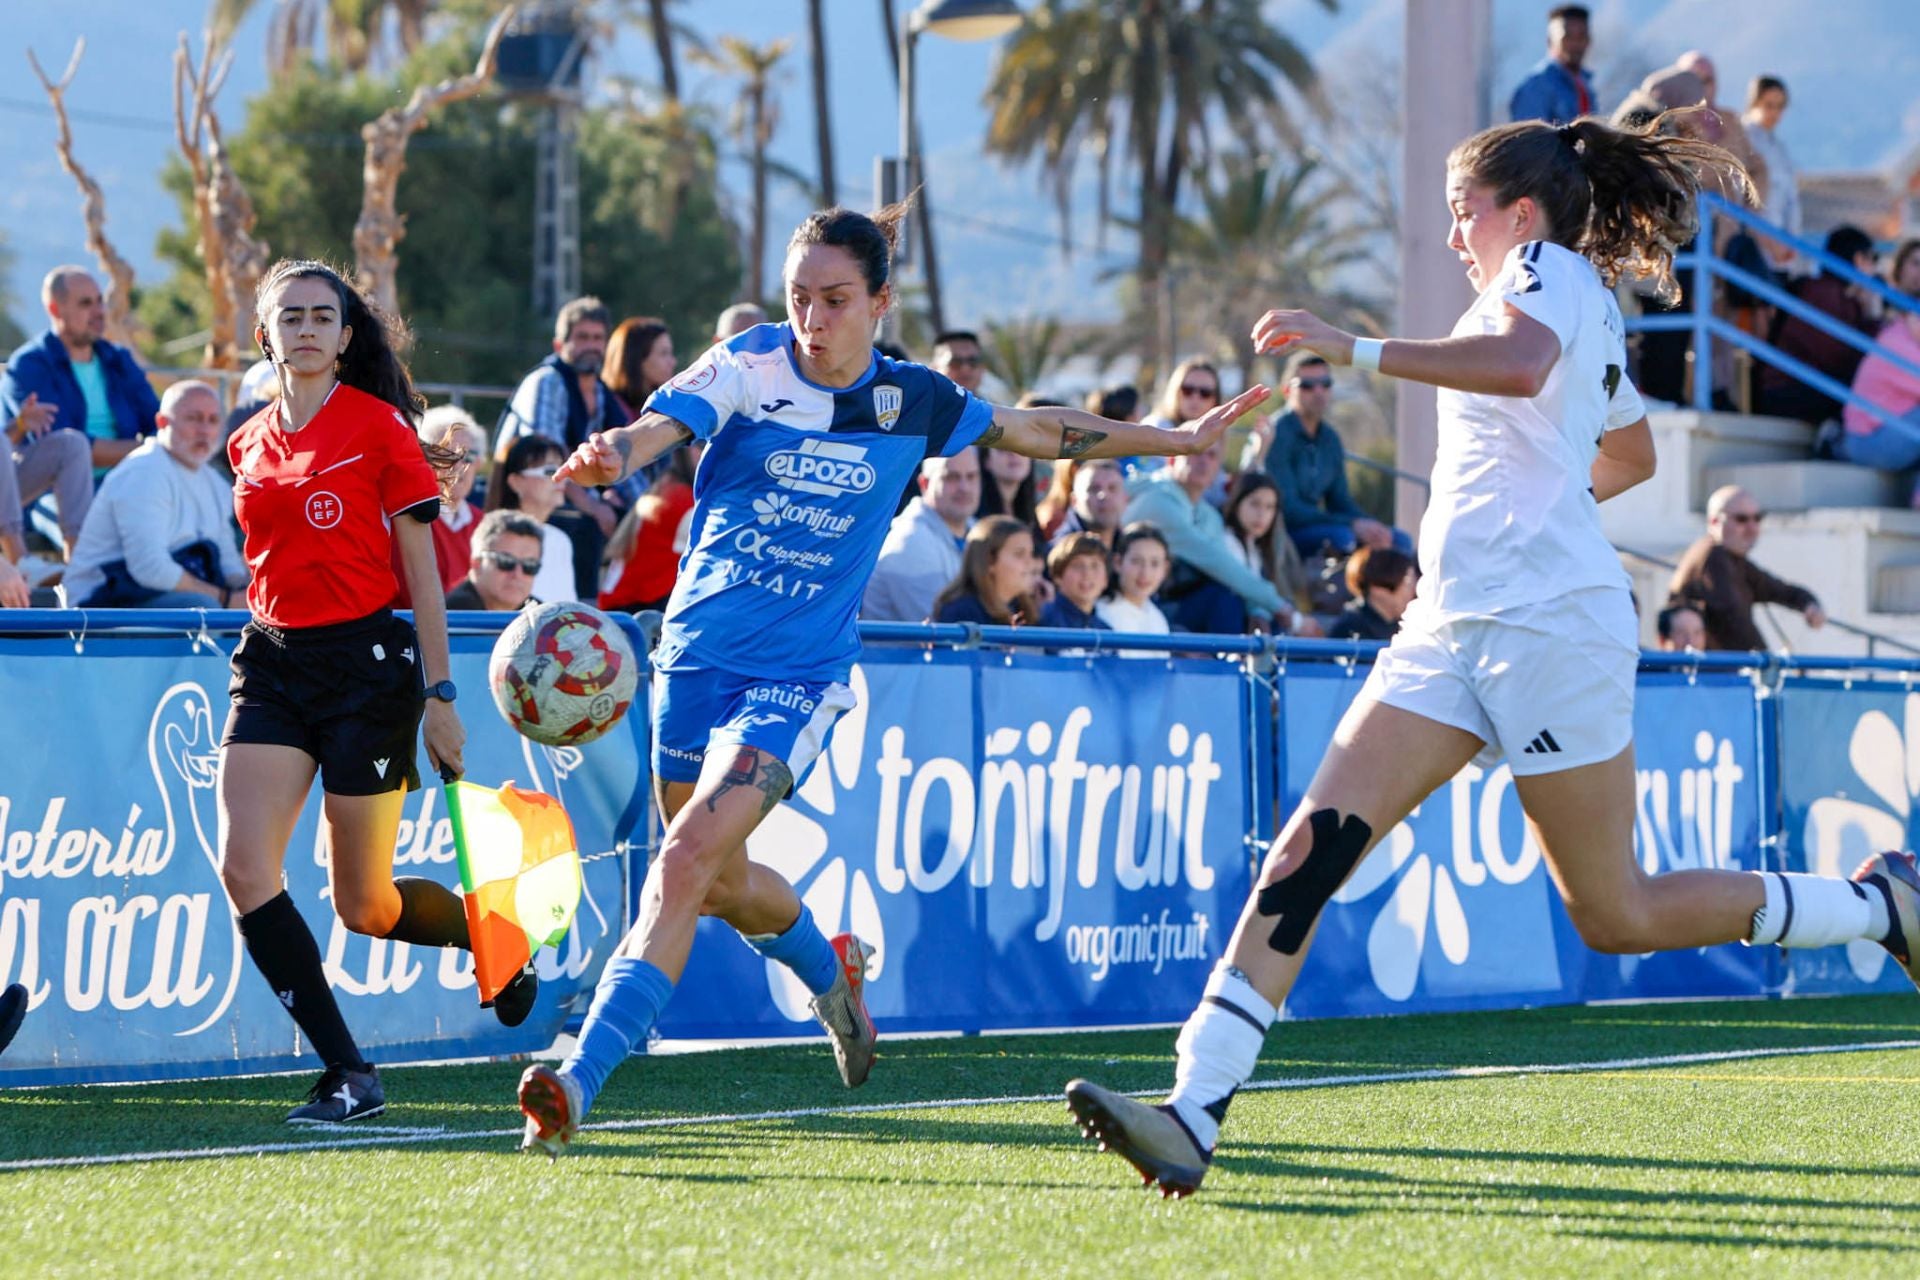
x: 1779, y: 1165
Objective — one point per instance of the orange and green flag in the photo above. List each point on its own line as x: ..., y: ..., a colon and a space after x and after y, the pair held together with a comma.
x: 520, y: 869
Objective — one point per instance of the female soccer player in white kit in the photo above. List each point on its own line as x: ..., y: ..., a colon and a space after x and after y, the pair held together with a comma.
x: 1522, y: 640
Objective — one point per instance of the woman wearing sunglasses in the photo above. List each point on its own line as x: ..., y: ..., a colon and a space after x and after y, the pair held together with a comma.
x: 525, y: 481
x: 453, y: 428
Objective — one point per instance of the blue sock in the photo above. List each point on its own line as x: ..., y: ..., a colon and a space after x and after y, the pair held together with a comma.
x: 626, y: 1004
x: 803, y: 949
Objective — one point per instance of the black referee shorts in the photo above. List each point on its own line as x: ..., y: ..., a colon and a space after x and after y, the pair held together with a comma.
x: 350, y: 695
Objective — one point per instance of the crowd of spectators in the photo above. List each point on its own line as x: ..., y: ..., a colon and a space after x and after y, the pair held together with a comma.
x: 1865, y: 404
x: 1195, y: 543
x: 1245, y: 536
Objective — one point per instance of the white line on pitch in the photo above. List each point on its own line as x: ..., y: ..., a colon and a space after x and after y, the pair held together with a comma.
x: 396, y: 1137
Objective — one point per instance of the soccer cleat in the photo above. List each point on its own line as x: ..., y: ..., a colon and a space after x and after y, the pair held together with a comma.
x: 1896, y: 874
x: 1151, y: 1139
x: 843, y: 1012
x: 515, y: 1000
x: 552, y: 1104
x: 340, y: 1095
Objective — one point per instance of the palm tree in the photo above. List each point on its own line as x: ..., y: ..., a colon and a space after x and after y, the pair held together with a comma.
x: 662, y: 28
x: 756, y: 114
x: 822, y: 115
x: 352, y: 28
x: 1268, y: 233
x: 923, y: 207
x: 1145, y: 84
x: 1022, y: 353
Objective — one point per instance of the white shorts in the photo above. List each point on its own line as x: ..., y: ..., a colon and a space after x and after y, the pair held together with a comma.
x: 1546, y: 686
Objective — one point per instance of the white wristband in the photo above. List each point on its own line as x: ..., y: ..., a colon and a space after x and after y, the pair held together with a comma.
x: 1366, y: 353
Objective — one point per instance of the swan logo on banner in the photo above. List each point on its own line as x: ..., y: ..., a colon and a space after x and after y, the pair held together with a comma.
x: 1466, y: 841
x: 793, y: 842
x: 126, y: 948
x: 1841, y: 831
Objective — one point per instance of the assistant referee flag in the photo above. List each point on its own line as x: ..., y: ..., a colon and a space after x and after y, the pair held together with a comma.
x: 520, y: 870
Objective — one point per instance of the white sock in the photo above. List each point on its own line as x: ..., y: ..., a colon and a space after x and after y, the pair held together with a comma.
x: 1805, y: 911
x: 1218, y: 1048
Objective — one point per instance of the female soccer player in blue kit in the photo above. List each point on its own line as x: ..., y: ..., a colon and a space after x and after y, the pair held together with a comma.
x: 811, y: 437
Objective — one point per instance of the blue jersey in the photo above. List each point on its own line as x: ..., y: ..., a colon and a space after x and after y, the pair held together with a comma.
x: 793, y: 499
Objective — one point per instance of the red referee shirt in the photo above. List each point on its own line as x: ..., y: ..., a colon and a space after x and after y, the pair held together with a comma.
x: 316, y: 507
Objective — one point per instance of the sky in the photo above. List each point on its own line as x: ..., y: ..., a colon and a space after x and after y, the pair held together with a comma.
x: 1854, y: 77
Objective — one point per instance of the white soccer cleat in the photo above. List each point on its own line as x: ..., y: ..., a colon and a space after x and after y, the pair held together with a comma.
x: 1151, y: 1139
x: 1898, y: 875
x: 843, y: 1012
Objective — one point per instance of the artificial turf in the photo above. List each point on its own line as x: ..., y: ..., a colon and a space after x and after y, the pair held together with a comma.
x: 1784, y: 1165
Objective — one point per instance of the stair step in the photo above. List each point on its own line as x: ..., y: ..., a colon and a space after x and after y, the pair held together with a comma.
x: 1807, y: 484
x: 1896, y: 588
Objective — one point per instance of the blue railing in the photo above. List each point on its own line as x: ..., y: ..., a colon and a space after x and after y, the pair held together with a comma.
x: 77, y: 624
x: 1707, y: 266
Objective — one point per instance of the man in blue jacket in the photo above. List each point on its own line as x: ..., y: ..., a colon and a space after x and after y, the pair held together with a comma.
x: 72, y: 378
x: 1560, y: 88
x: 1308, y: 462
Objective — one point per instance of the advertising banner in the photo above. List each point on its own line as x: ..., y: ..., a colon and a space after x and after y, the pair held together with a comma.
x: 1849, y: 774
x: 1455, y: 908
x: 111, y: 908
x: 1026, y: 841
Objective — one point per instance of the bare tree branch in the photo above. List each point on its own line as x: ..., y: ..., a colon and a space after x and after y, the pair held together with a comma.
x: 193, y: 90
x: 122, y: 326
x: 380, y: 228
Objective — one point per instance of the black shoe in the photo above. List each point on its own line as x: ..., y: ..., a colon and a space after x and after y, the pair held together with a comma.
x: 515, y: 1000
x: 13, y: 1007
x: 341, y: 1095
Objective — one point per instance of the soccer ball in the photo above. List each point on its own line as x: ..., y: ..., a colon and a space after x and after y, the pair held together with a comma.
x: 563, y: 674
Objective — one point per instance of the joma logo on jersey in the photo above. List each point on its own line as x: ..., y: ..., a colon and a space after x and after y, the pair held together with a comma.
x: 823, y: 467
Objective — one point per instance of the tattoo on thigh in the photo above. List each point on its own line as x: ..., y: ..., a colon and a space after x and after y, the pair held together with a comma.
x: 750, y: 768
x: 1075, y: 441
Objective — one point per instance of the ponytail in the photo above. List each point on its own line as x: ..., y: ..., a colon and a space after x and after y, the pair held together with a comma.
x: 371, y: 361
x: 870, y: 238
x: 1623, y: 198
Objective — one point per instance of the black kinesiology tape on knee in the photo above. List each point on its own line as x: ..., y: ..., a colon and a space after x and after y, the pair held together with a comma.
x: 1297, y: 900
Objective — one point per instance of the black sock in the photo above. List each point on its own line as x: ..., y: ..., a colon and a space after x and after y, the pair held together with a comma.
x: 431, y: 914
x: 284, y: 951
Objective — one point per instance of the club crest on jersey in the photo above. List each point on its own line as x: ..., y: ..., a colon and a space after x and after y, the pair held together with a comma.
x: 886, y: 406
x: 824, y: 467
x: 324, y: 510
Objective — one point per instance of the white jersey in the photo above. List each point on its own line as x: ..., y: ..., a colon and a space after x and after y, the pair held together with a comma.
x: 1512, y: 519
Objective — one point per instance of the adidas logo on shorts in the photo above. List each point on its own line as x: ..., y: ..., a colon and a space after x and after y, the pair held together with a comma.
x: 1542, y: 745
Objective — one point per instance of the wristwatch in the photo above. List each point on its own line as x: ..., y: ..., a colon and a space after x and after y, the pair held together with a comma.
x: 443, y: 691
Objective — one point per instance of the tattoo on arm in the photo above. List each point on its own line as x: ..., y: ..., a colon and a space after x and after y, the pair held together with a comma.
x: 992, y: 435
x: 750, y: 768
x: 623, y: 445
x: 1075, y: 441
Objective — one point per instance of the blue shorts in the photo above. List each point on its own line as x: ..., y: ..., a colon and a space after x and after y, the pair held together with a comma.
x: 704, y: 709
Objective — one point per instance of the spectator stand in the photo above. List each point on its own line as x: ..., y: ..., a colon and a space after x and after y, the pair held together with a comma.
x: 1848, y: 531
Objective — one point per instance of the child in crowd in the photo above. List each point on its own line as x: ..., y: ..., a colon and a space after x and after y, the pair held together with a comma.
x: 1141, y: 556
x: 1078, y: 566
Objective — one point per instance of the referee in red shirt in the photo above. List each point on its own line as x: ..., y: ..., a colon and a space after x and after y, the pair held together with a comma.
x: 326, y: 678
